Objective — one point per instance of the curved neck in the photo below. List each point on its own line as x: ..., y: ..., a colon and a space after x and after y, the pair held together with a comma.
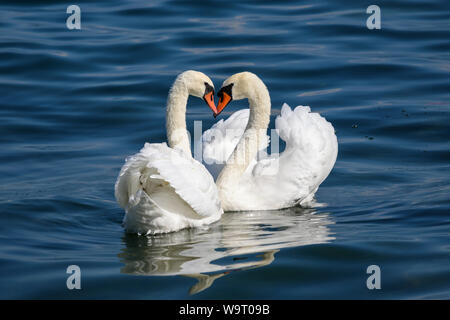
x: 248, y: 146
x: 177, y: 135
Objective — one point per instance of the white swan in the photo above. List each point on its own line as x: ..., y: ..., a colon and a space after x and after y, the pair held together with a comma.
x: 162, y: 188
x: 278, y: 181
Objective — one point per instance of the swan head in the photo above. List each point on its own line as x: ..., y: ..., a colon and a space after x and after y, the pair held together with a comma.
x: 199, y: 85
x: 239, y: 86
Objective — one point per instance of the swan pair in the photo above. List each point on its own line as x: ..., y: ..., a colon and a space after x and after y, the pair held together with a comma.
x: 163, y: 188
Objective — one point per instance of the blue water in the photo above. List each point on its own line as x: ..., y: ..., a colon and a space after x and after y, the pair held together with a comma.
x: 75, y: 103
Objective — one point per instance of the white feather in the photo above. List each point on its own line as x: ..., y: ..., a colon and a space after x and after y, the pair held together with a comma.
x: 164, y: 190
x: 221, y: 139
x: 279, y: 180
x: 292, y: 177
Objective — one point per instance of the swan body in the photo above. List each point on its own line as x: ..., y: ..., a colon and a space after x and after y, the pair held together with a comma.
x: 162, y: 188
x: 280, y: 180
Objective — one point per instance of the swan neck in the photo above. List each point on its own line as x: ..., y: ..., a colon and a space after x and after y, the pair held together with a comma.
x: 177, y: 134
x: 248, y: 146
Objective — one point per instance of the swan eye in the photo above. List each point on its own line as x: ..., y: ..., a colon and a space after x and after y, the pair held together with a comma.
x: 208, y: 97
x: 227, y: 89
x: 208, y: 88
x: 225, y: 96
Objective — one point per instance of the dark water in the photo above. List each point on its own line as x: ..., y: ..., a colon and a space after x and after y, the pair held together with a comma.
x: 74, y: 104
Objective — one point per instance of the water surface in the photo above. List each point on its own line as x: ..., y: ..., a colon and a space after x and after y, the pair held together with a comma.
x: 75, y: 103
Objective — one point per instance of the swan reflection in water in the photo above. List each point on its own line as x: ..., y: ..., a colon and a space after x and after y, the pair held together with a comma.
x: 239, y: 241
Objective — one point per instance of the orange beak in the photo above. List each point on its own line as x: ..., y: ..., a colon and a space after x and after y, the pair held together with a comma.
x: 209, y: 99
x: 223, y: 101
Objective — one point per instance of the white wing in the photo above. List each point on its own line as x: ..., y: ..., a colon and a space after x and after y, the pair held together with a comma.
x: 292, y: 177
x: 220, y: 140
x: 163, y: 190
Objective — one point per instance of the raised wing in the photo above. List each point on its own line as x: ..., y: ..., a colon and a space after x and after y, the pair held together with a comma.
x: 293, y: 176
x: 220, y: 140
x: 163, y: 182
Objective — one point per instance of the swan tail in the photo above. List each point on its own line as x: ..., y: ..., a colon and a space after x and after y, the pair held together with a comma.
x: 308, y: 133
x: 310, y: 153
